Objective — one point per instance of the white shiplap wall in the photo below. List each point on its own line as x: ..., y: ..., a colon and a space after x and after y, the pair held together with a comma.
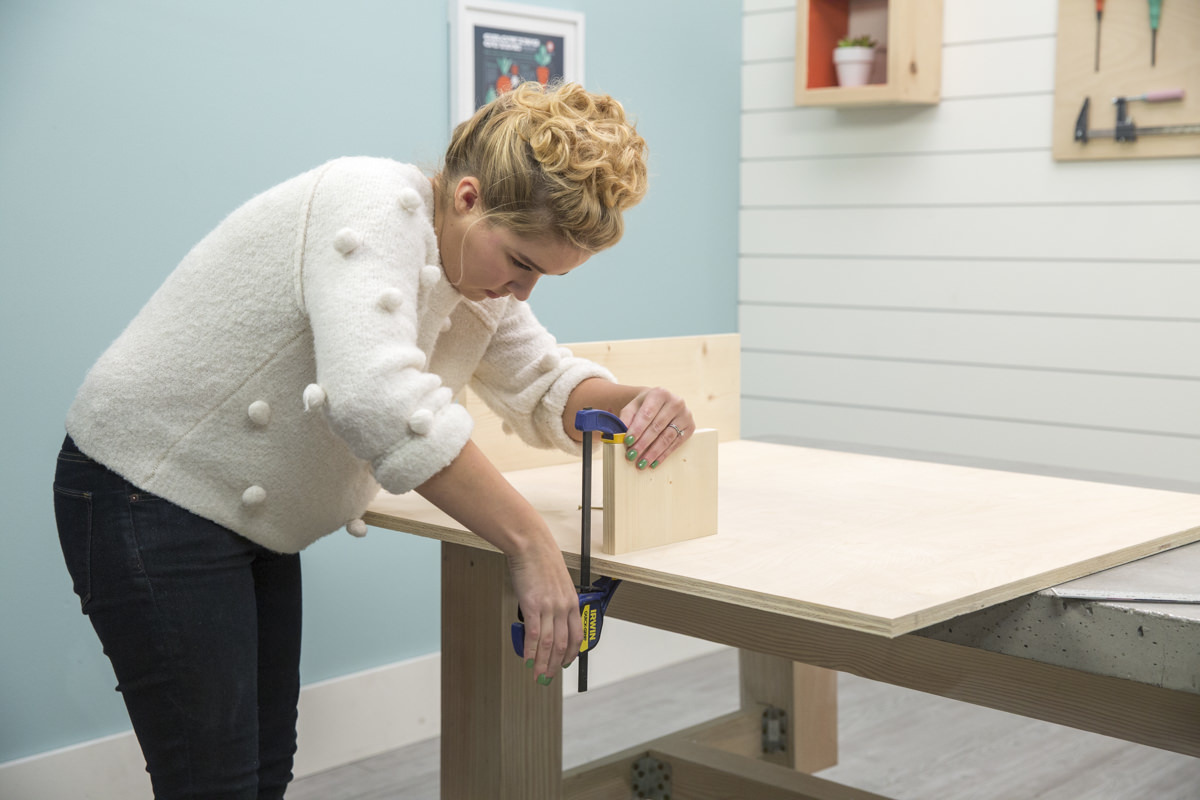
x: 930, y: 282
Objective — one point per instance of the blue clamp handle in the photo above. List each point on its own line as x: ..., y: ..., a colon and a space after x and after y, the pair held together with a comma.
x: 594, y: 419
x: 592, y: 605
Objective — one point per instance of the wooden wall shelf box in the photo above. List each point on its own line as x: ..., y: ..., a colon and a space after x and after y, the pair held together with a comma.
x: 909, y: 33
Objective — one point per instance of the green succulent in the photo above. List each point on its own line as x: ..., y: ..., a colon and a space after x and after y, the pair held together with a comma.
x: 857, y: 41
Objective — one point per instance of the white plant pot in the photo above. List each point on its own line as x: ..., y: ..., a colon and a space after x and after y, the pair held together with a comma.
x: 853, y: 65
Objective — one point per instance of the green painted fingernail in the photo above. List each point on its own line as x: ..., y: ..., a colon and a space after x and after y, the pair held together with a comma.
x: 655, y: 464
x: 544, y: 680
x: 631, y: 455
x: 642, y: 464
x: 629, y: 440
x: 529, y: 664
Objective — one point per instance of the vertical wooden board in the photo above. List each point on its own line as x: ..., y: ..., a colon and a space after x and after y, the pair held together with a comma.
x: 1125, y: 71
x: 704, y: 370
x: 494, y: 716
x: 915, y: 49
x: 808, y: 697
x: 675, y: 502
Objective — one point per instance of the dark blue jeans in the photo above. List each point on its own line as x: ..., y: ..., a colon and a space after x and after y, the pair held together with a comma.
x: 202, y: 627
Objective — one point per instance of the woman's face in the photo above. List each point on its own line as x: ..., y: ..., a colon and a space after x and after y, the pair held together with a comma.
x: 483, y: 260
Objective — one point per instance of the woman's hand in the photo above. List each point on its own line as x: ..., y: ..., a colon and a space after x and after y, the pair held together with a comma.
x: 659, y: 422
x: 550, y: 606
x: 472, y: 491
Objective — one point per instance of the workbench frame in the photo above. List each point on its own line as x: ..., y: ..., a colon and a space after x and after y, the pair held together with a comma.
x: 502, y: 733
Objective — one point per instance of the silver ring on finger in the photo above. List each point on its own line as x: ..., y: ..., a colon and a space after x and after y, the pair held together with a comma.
x: 678, y: 430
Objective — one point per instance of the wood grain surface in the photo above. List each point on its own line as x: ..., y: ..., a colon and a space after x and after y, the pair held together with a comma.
x: 868, y: 543
x: 674, y: 502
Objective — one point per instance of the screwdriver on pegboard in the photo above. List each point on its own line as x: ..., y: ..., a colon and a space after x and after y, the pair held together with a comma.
x: 1155, y: 18
x: 1099, y: 14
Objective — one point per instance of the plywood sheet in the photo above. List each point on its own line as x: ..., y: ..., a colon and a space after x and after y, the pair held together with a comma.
x: 864, y: 542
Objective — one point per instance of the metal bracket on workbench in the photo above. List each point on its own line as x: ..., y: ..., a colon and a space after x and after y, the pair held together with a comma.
x: 651, y: 779
x: 774, y: 730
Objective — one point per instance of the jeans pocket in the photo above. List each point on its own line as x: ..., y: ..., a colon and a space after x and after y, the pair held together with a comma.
x: 73, y: 513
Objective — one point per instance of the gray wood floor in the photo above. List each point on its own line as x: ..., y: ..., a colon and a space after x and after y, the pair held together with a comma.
x: 899, y: 743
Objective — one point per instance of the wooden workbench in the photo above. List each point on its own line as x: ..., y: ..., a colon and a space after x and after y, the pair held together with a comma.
x: 825, y: 559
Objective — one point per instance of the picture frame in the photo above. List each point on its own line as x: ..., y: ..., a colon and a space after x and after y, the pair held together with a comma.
x: 496, y: 45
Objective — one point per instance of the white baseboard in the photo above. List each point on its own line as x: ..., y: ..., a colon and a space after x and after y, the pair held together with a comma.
x: 342, y: 720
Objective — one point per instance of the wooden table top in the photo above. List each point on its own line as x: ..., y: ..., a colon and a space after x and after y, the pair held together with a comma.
x: 874, y: 544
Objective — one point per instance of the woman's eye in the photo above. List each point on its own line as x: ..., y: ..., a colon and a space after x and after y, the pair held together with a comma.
x: 525, y: 267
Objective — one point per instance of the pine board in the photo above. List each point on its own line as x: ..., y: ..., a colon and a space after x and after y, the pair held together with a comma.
x: 701, y: 369
x: 672, y: 503
x: 880, y: 545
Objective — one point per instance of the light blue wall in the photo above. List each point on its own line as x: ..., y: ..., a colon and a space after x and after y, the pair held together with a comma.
x: 129, y: 128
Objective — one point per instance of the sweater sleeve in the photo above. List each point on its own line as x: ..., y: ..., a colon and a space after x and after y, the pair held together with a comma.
x: 526, y: 379
x: 365, y: 250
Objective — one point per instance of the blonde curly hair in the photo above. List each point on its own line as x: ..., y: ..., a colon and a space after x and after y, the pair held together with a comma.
x: 551, y: 160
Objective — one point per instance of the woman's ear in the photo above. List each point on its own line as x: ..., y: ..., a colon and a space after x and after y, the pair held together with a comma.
x: 466, y: 195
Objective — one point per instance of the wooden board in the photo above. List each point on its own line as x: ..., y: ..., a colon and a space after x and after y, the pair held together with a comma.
x: 1125, y: 71
x: 701, y: 369
x: 874, y: 544
x: 674, y: 502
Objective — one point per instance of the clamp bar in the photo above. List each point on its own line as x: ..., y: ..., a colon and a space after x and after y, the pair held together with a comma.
x: 587, y: 421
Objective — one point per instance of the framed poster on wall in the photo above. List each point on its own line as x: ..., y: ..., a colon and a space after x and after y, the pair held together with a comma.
x: 496, y: 46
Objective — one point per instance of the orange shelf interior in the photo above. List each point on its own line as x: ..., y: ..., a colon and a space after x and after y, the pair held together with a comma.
x: 828, y: 21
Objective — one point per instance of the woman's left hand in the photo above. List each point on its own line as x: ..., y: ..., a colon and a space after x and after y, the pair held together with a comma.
x: 659, y: 422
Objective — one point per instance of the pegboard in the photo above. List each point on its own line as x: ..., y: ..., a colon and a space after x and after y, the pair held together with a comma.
x: 1125, y: 71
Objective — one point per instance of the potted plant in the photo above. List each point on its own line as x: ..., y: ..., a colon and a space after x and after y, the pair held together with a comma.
x: 853, y: 59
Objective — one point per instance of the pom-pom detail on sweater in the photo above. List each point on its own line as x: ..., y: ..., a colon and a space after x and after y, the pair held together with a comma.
x: 410, y: 199
x: 430, y: 275
x: 357, y: 528
x: 314, y: 397
x: 506, y: 429
x: 259, y: 413
x: 446, y: 324
x: 390, y: 299
x: 347, y: 241
x: 421, y: 421
x: 254, y: 496
x: 549, y: 362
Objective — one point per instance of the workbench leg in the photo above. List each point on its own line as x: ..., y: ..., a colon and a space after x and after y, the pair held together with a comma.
x: 501, y: 731
x: 806, y: 695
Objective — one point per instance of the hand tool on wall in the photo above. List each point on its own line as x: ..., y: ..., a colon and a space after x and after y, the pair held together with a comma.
x: 1099, y: 14
x: 1155, y: 97
x: 593, y: 597
x: 1155, y: 18
x: 1126, y: 130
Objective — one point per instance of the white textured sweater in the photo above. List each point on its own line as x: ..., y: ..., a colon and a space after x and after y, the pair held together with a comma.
x: 306, y: 352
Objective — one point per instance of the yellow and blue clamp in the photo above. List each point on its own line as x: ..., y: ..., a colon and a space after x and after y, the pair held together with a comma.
x: 593, y: 597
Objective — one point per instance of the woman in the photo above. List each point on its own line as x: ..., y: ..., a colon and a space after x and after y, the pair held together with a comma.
x: 303, y: 354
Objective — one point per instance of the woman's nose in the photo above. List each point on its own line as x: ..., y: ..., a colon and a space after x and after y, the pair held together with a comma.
x: 523, y: 286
